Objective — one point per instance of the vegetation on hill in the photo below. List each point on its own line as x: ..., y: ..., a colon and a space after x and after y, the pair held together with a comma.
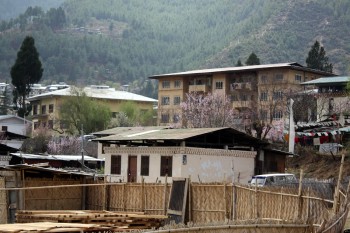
x: 123, y: 42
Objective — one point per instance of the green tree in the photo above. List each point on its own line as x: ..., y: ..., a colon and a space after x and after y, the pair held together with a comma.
x: 317, y: 58
x: 239, y: 63
x: 79, y: 111
x: 26, y: 71
x: 252, y: 60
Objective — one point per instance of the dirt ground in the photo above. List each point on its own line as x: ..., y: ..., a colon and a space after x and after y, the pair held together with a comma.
x: 318, y: 166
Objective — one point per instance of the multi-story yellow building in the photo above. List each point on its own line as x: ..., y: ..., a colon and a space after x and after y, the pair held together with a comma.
x: 45, y: 110
x: 249, y: 87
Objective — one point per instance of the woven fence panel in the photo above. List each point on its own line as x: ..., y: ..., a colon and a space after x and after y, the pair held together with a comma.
x: 3, y: 202
x: 133, y: 197
x: 154, y: 198
x: 245, y: 200
x: 63, y: 198
x: 95, y: 196
x: 208, y: 203
x: 116, y: 197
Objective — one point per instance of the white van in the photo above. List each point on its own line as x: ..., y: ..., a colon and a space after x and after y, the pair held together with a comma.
x: 272, y: 179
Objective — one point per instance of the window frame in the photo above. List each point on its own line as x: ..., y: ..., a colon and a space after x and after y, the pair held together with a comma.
x: 165, y: 84
x: 166, y: 165
x: 177, y: 100
x: 164, y: 118
x: 264, y: 96
x: 51, y: 106
x: 165, y: 100
x: 43, y: 109
x: 116, y: 162
x: 145, y: 162
x: 177, y: 84
x: 219, y: 85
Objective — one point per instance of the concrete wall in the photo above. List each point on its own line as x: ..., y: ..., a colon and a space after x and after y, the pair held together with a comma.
x: 204, y: 167
x: 14, y: 125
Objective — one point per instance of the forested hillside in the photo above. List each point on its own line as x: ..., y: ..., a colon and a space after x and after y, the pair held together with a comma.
x: 118, y: 42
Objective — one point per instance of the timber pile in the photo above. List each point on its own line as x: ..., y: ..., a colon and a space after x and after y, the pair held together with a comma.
x: 51, y: 227
x: 116, y: 220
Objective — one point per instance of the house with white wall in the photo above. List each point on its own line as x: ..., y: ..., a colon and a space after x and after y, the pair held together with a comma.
x: 156, y: 154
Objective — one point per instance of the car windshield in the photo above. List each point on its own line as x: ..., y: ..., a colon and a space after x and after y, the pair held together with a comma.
x: 258, y: 180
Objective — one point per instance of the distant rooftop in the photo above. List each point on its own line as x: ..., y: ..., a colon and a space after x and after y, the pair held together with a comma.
x: 328, y: 80
x: 292, y: 65
x: 98, y: 92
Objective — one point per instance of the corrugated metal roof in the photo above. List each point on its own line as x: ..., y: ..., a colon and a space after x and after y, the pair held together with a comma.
x: 325, y: 80
x: 292, y: 65
x: 56, y: 157
x: 164, y: 133
x: 122, y: 130
x: 108, y: 93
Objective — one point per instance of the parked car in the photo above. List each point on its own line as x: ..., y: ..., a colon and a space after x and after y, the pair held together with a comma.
x: 272, y: 179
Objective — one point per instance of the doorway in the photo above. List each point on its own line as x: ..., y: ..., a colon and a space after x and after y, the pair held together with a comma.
x: 132, y: 168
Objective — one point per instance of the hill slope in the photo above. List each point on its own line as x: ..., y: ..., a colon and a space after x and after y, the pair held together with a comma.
x: 126, y: 41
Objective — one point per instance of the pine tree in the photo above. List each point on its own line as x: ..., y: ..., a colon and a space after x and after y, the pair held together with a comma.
x: 239, y: 63
x: 26, y: 71
x: 317, y: 58
x: 252, y: 60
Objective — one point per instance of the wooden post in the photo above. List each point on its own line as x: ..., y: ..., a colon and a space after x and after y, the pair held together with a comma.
x: 336, y: 194
x: 308, y: 205
x: 225, y: 202
x: 23, y: 192
x: 104, y: 194
x: 234, y: 206
x: 281, y: 205
x: 124, y: 199
x: 256, y: 200
x: 142, y: 194
x: 189, y: 199
x: 300, y: 191
x: 165, y: 194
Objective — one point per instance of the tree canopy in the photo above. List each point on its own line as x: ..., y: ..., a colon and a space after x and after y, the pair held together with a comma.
x: 252, y: 60
x: 81, y: 111
x: 317, y: 58
x: 25, y: 72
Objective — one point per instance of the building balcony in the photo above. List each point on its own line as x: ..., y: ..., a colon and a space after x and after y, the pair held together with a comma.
x: 199, y: 88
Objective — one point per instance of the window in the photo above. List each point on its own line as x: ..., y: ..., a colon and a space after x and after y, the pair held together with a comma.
x: 116, y: 164
x: 234, y: 98
x: 176, y: 118
x: 35, y: 110
x: 177, y: 84
x: 4, y: 128
x: 278, y: 77
x: 277, y: 115
x: 166, y: 165
x: 36, y: 125
x: 166, y: 84
x: 144, y: 165
x: 51, y: 108
x: 263, y: 96
x: 244, y: 97
x: 164, y: 118
x: 278, y: 95
x: 263, y: 115
x: 219, y: 85
x: 263, y: 79
x: 298, y: 78
x: 165, y: 100
x: 177, y: 100
x: 43, y: 109
x: 50, y: 124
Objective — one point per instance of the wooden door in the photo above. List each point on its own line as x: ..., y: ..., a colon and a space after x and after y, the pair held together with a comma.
x: 132, y: 168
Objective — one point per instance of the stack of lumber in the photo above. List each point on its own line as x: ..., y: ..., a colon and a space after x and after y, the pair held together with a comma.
x: 117, y: 220
x: 52, y: 227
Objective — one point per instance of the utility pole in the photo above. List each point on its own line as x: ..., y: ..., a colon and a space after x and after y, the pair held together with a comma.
x: 82, y: 147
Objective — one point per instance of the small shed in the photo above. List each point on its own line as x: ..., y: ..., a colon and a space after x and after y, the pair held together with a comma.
x: 25, y: 176
x: 156, y: 154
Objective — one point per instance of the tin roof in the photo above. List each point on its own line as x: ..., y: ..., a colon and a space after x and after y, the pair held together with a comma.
x: 328, y: 80
x: 292, y: 65
x: 166, y: 133
x: 56, y: 157
x: 105, y: 93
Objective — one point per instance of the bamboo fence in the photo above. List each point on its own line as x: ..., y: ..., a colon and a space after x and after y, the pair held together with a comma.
x: 282, y: 209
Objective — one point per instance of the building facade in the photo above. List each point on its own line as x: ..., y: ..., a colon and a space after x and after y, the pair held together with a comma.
x: 45, y: 110
x: 156, y: 154
x: 254, y: 88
